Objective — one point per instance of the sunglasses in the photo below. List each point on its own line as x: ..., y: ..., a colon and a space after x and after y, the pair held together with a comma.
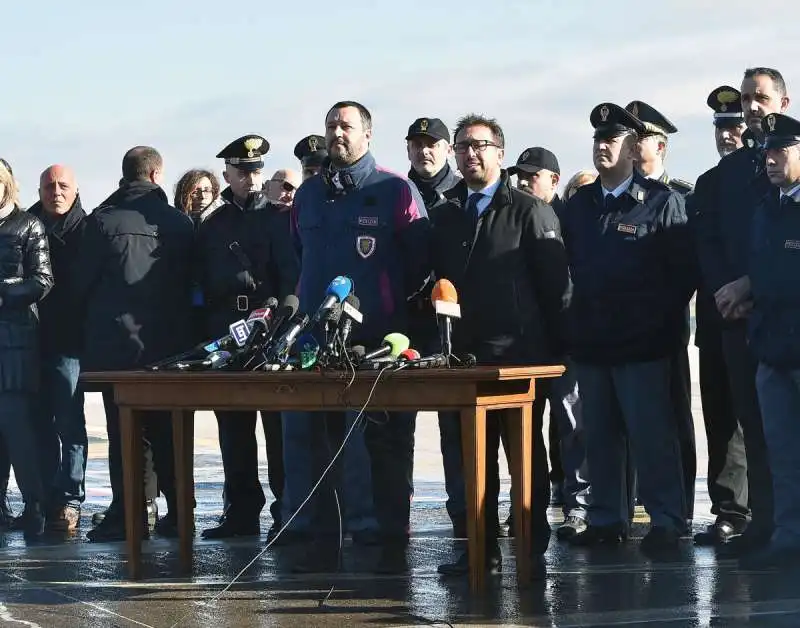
x: 287, y: 187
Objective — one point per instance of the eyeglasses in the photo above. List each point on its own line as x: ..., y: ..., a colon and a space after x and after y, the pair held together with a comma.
x: 477, y: 145
x: 203, y: 191
x: 288, y: 187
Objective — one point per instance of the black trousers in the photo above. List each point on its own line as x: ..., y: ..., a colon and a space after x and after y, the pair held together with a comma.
x: 727, y: 459
x: 244, y: 494
x: 158, y: 448
x: 681, y: 393
x: 19, y: 445
x: 742, y: 368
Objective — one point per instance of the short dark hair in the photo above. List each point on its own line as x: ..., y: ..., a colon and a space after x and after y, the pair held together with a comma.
x: 366, y: 116
x: 474, y: 119
x: 777, y: 77
x: 140, y: 162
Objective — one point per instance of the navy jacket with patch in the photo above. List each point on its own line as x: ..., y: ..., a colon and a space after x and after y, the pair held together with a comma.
x: 633, y: 272
x: 372, y: 228
x: 774, y: 323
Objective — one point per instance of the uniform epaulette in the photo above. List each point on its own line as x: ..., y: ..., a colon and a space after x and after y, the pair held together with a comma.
x: 679, y: 185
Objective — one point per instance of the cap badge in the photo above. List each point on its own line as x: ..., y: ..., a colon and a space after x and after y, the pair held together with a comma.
x: 604, y: 111
x: 252, y: 144
x: 727, y: 97
x: 423, y: 125
x: 312, y: 144
x: 723, y: 107
x: 525, y: 155
x: 635, y: 110
x: 771, y: 123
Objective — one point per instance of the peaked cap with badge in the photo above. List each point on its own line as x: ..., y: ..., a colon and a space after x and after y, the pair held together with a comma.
x: 429, y: 127
x: 781, y: 131
x: 726, y: 101
x: 311, y: 150
x: 535, y: 159
x: 610, y: 120
x: 245, y: 153
x: 655, y: 123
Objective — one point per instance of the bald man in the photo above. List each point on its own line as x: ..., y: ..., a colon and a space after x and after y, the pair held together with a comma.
x: 281, y: 187
x: 61, y: 423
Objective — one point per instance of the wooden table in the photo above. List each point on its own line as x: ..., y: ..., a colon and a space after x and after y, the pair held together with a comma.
x: 472, y: 392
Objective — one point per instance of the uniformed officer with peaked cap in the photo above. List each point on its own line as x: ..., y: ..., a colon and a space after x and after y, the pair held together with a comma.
x: 245, y: 257
x: 630, y: 259
x: 311, y: 152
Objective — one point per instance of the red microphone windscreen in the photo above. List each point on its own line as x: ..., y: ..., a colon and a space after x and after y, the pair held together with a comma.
x: 410, y: 354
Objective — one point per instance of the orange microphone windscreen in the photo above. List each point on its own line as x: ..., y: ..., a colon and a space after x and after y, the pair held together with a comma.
x: 444, y: 290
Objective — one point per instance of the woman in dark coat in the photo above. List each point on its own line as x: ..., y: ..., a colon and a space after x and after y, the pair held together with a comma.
x: 25, y: 278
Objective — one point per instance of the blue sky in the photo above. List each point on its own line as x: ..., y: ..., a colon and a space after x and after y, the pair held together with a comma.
x: 83, y: 86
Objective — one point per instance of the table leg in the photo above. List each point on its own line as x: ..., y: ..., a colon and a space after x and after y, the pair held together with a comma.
x: 521, y: 437
x: 473, y: 444
x: 183, y: 439
x: 130, y: 426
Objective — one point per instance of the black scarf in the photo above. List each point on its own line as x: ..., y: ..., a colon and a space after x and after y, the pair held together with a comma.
x: 429, y: 187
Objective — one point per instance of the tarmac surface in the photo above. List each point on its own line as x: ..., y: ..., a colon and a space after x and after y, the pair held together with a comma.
x: 70, y: 582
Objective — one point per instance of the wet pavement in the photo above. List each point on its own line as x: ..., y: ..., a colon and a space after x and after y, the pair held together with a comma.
x: 69, y: 582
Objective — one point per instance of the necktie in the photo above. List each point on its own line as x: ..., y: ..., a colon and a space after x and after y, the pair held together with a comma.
x: 608, y: 201
x: 472, y: 209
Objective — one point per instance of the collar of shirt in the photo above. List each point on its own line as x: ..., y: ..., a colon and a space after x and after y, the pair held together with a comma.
x: 793, y: 193
x: 656, y: 176
x: 488, y: 193
x: 619, y: 190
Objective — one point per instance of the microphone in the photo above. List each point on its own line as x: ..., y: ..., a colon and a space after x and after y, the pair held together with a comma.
x: 283, y: 315
x: 282, y: 345
x: 350, y: 313
x: 408, y: 355
x: 393, y: 345
x: 215, y: 360
x: 337, y: 291
x: 431, y: 361
x: 445, y: 303
x: 307, y: 350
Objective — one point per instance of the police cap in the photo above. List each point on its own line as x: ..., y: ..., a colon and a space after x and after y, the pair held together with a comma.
x: 311, y: 150
x: 726, y: 101
x: 429, y: 127
x: 245, y: 153
x: 610, y: 120
x: 654, y: 121
x: 535, y: 159
x: 781, y: 131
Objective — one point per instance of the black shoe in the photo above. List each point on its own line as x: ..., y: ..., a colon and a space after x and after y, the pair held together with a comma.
x: 231, y: 527
x: 320, y: 558
x: 33, y: 522
x: 771, y: 557
x: 600, y: 535
x: 572, y: 526
x: 112, y: 528
x: 493, y: 564
x: 751, y: 540
x: 721, y: 531
x: 659, y: 541
x: 167, y: 526
x: 557, y: 494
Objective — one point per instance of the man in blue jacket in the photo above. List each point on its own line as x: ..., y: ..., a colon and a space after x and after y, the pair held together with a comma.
x: 359, y: 220
x: 631, y: 262
x: 774, y: 334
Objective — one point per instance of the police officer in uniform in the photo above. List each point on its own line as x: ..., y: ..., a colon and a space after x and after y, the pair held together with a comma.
x: 651, y: 152
x: 724, y: 219
x: 727, y: 463
x: 631, y: 261
x: 245, y: 258
x: 311, y: 152
x: 773, y: 325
